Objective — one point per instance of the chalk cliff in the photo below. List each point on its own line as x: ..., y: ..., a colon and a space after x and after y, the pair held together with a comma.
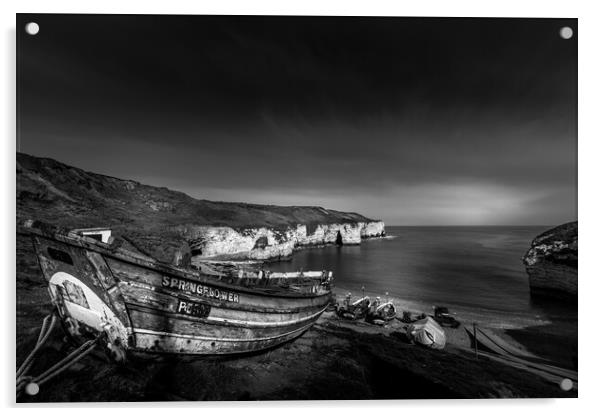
x: 162, y: 222
x: 265, y: 243
x: 551, y: 262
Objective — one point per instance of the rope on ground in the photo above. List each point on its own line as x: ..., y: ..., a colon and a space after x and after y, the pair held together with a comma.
x: 42, y: 337
x: 66, y: 362
x: 30, y: 384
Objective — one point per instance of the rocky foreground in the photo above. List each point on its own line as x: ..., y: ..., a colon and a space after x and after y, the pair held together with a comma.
x: 168, y: 224
x: 551, y: 262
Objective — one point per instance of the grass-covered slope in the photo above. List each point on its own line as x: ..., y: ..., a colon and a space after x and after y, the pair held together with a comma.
x: 67, y: 196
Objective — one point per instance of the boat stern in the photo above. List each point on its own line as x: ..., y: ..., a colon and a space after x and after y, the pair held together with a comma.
x: 84, y: 293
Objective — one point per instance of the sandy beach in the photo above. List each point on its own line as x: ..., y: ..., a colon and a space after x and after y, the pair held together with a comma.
x: 555, y: 342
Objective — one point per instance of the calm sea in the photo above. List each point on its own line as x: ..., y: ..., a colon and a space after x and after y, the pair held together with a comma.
x: 473, y: 269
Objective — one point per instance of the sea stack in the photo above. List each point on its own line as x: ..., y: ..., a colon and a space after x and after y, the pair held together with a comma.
x: 551, y: 263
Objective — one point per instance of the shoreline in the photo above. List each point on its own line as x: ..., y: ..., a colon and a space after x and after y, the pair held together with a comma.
x: 522, y: 333
x: 515, y: 327
x: 334, y: 359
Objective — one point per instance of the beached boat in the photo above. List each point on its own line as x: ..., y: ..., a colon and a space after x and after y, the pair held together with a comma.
x: 380, y: 313
x: 488, y: 341
x: 355, y: 310
x: 141, y: 304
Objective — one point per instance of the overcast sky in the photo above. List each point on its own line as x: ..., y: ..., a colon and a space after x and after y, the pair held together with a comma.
x: 415, y: 121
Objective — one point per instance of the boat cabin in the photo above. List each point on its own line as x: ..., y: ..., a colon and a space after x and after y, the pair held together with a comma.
x: 101, y: 234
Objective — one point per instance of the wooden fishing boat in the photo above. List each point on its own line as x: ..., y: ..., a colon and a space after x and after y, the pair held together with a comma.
x: 140, y: 304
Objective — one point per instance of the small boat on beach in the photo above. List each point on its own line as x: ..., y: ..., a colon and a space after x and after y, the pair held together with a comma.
x: 428, y: 333
x: 444, y: 317
x: 138, y: 304
x: 380, y: 313
x: 355, y: 310
x: 487, y: 341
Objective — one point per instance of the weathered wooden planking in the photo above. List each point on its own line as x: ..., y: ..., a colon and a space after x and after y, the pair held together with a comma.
x: 118, y: 253
x: 245, y: 298
x: 110, y: 285
x: 169, y: 302
x: 130, y: 271
x: 295, y: 275
x: 155, y: 341
x: 145, y: 319
x: 135, y: 289
x: 168, y: 309
x: 77, y: 265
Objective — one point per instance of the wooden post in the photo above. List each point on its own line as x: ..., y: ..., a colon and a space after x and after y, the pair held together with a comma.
x: 476, y: 347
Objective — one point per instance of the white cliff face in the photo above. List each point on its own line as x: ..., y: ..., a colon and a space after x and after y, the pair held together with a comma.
x: 255, y: 243
x: 551, y: 262
x: 328, y: 234
x: 373, y: 229
x: 265, y: 243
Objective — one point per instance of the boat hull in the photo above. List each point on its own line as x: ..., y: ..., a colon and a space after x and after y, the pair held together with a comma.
x: 140, y: 305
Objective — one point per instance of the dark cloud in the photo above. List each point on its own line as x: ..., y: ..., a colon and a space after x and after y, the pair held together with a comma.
x: 417, y: 121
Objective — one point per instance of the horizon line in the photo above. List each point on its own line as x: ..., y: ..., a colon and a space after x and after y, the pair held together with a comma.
x: 474, y: 225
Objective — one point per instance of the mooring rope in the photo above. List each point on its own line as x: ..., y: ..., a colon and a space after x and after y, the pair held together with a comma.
x: 30, y: 384
x: 42, y: 337
x: 66, y: 362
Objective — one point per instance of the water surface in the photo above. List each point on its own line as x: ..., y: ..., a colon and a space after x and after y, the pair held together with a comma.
x: 476, y: 269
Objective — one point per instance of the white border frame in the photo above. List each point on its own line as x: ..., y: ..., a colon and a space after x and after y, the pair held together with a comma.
x: 590, y: 72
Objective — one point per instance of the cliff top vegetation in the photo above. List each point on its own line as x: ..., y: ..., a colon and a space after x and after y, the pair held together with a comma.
x: 66, y: 196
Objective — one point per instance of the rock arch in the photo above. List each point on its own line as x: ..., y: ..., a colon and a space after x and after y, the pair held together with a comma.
x: 261, y: 242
